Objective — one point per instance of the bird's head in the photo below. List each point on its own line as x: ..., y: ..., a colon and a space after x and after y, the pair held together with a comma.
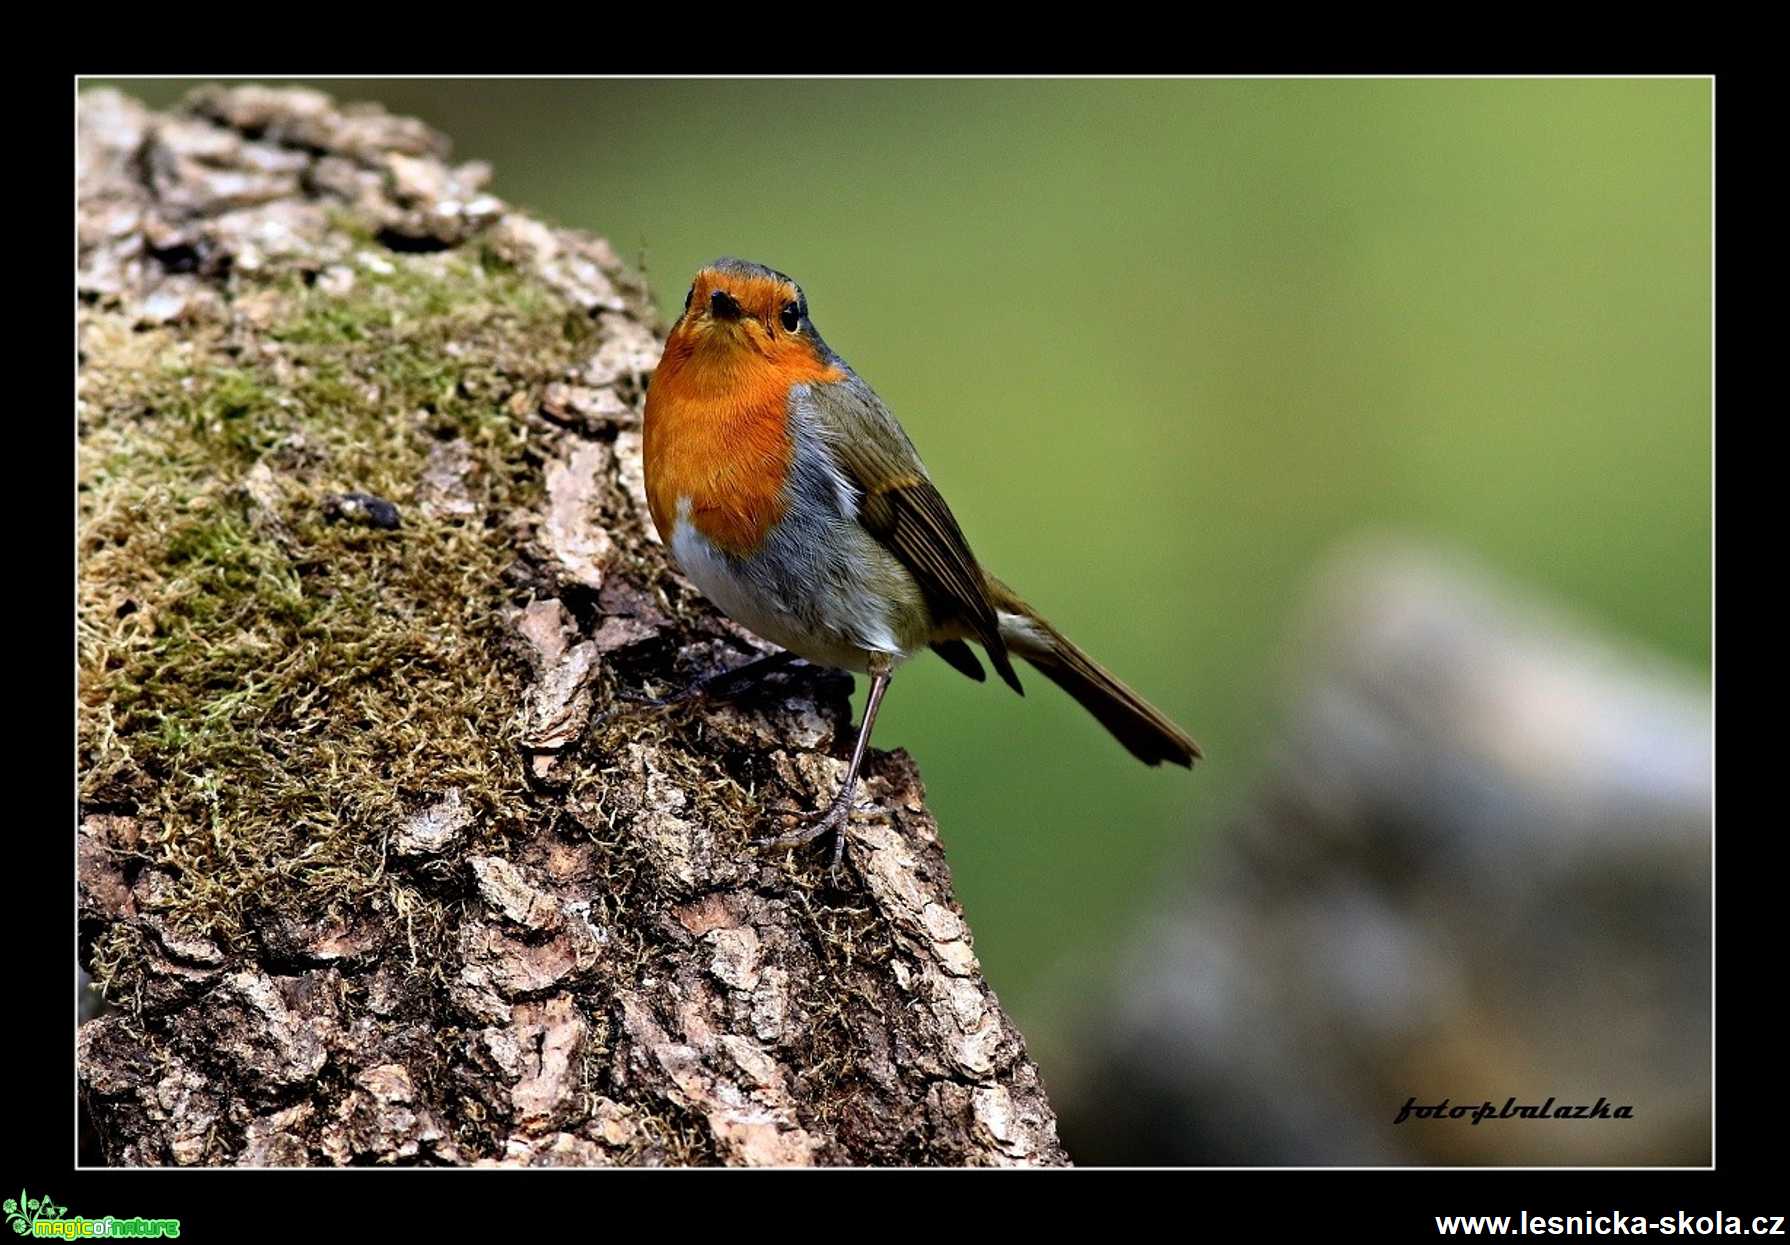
x: 738, y: 311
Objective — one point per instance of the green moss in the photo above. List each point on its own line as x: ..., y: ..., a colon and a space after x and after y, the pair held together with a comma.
x: 270, y: 693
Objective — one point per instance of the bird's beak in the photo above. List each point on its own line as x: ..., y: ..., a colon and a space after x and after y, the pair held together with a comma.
x: 722, y: 306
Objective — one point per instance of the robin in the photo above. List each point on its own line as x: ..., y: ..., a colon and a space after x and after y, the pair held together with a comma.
x: 788, y: 494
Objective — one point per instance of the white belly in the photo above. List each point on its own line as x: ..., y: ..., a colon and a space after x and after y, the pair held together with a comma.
x: 823, y: 611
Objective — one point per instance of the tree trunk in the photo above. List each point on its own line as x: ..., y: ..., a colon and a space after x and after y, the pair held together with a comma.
x: 378, y: 860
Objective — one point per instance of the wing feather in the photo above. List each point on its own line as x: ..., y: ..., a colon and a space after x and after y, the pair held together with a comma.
x: 903, y: 510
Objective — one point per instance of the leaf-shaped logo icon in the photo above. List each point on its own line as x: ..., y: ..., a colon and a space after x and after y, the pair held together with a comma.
x: 24, y: 1210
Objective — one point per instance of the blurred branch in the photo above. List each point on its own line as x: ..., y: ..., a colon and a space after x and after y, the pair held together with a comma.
x: 1478, y: 868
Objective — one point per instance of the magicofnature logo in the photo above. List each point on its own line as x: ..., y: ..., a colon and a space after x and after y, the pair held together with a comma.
x: 40, y: 1217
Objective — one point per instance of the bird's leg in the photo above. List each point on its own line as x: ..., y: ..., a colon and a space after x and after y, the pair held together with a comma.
x: 839, y: 813
x: 722, y: 685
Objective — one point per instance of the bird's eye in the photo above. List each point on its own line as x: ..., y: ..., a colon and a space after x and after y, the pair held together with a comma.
x: 792, y: 316
x: 691, y: 293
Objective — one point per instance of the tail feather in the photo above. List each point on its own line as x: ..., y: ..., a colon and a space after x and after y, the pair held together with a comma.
x: 1144, y: 730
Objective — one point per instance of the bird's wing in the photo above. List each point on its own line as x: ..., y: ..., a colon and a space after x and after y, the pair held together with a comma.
x: 903, y: 510
x: 962, y: 658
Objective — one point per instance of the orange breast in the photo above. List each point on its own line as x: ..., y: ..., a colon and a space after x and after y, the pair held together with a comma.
x: 717, y: 432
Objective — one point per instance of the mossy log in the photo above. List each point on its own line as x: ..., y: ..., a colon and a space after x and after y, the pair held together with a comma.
x: 378, y: 861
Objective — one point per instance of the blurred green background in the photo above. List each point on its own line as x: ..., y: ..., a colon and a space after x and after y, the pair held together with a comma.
x: 1163, y: 344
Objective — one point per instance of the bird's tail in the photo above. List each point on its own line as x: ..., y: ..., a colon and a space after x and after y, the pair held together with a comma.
x: 1149, y: 735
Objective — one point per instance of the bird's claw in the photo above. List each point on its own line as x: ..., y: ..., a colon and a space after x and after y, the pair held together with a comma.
x: 637, y: 702
x: 836, y: 819
x: 722, y: 685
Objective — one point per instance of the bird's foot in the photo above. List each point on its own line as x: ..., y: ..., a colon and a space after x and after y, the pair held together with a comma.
x: 639, y: 702
x: 642, y: 701
x: 836, y: 819
x: 723, y: 685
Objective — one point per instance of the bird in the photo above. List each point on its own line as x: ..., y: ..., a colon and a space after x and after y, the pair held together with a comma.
x: 785, y: 490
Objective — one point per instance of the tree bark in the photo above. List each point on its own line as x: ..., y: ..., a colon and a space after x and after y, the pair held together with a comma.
x: 378, y: 862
